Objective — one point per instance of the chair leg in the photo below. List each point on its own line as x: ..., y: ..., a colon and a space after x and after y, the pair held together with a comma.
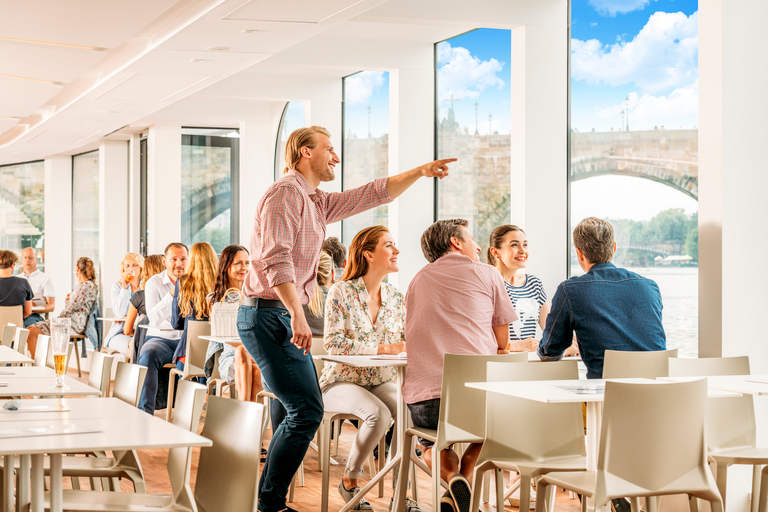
x: 436, y: 480
x: 499, y: 489
x: 171, y: 391
x: 634, y: 503
x: 721, y: 477
x: 541, y: 505
x: 300, y: 476
x: 401, y: 488
x: 324, y: 444
x: 525, y: 492
x: 755, y: 486
x: 511, y: 489
x: 485, y: 487
x: 717, y: 505
x: 415, y: 484
x: 77, y: 355
x: 291, y: 489
x: 652, y: 504
x: 693, y: 503
x: 763, y: 500
x: 480, y: 471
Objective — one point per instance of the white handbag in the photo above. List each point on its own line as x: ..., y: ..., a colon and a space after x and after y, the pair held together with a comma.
x: 224, y: 314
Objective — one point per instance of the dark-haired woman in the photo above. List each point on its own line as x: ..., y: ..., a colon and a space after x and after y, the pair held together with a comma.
x: 77, y: 307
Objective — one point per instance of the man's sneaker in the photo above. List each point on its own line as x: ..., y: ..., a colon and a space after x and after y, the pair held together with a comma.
x: 461, y: 492
x: 348, y: 496
x: 410, y: 505
x: 446, y: 503
x: 620, y: 505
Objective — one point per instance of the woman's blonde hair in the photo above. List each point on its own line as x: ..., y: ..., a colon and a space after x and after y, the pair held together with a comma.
x: 198, y: 281
x: 138, y: 258
x: 324, y: 274
x: 153, y: 264
x: 365, y: 240
x: 303, y: 137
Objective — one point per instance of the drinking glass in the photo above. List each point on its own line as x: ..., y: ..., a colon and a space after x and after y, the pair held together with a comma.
x: 60, y: 342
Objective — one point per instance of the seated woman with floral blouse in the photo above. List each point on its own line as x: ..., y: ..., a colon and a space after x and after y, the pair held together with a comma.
x: 364, y: 316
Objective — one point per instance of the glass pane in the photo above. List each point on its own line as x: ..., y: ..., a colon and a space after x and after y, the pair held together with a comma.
x: 634, y: 144
x: 22, y: 207
x: 85, y: 208
x: 293, y: 119
x: 474, y: 115
x: 365, y: 153
x: 206, y: 186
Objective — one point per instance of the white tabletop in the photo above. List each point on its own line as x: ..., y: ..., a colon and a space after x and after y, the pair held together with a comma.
x: 10, y: 356
x: 110, y: 319
x: 365, y: 361
x: 230, y: 340
x: 26, y: 372
x: 533, y: 357
x: 41, y: 386
x: 744, y: 384
x: 146, y: 326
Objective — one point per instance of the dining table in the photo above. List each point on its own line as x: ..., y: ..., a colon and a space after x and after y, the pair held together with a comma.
x: 227, y: 340
x: 11, y: 356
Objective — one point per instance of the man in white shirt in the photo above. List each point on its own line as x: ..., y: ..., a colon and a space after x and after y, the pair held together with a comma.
x: 41, y: 284
x: 160, y: 345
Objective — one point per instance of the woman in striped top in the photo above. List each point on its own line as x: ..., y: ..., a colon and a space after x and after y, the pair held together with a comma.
x: 508, y: 252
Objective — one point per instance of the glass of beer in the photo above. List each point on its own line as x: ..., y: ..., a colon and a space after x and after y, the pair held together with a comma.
x: 128, y: 277
x: 60, y: 342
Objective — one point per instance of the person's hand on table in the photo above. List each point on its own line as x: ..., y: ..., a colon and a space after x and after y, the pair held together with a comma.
x: 391, y: 348
x: 526, y: 345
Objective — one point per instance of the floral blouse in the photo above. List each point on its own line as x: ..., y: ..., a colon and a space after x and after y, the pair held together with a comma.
x: 78, y: 307
x: 348, y: 331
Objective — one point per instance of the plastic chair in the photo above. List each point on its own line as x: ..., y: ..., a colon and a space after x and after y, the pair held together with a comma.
x: 194, y: 362
x: 652, y: 444
x: 129, y: 381
x: 101, y: 370
x: 519, y: 433
x: 11, y: 315
x: 20, y: 340
x: 227, y: 478
x: 641, y: 364
x: 9, y: 331
x: 731, y: 428
x: 462, y: 414
x: 41, y: 352
x: 189, y: 406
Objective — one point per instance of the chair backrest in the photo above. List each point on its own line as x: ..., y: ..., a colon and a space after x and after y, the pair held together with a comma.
x: 642, y: 364
x: 9, y: 331
x: 462, y: 409
x: 227, y: 478
x: 20, y: 340
x: 101, y: 370
x: 653, y: 441
x: 129, y: 381
x: 730, y: 421
x: 196, y: 348
x: 190, y: 398
x: 523, y: 430
x: 317, y: 349
x: 42, y: 349
x: 11, y: 315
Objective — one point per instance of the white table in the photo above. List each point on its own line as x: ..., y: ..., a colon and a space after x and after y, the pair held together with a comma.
x: 11, y: 356
x: 377, y: 361
x: 119, y: 426
x: 735, y: 383
x: 26, y: 372
x: 110, y: 319
x: 42, y: 386
x: 228, y: 340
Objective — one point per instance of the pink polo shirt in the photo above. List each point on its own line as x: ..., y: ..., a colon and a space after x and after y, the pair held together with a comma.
x: 452, y: 307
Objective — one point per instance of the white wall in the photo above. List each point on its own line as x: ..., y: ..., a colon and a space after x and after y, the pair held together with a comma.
x: 163, y: 187
x: 58, y: 226
x: 114, y: 192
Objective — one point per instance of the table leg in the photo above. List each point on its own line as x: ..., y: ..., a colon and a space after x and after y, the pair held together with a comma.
x: 38, y: 476
x: 8, y: 486
x: 22, y: 488
x: 57, y: 478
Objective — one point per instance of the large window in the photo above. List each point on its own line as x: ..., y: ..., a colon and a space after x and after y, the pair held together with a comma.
x: 473, y: 125
x: 22, y: 206
x: 85, y: 208
x: 634, y: 143
x: 365, y: 151
x: 292, y: 119
x: 209, y: 168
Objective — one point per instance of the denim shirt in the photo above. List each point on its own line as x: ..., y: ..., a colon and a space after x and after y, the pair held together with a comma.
x: 608, y: 308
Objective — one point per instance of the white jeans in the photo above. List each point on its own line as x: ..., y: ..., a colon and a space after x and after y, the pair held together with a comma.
x: 376, y: 406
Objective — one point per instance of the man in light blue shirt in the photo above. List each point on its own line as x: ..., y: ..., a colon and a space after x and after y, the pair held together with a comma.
x: 608, y: 308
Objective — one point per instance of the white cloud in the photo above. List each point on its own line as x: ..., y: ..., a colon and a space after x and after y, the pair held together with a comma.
x: 461, y: 75
x: 593, y: 24
x: 612, y: 7
x: 679, y: 108
x: 663, y: 56
x: 360, y: 87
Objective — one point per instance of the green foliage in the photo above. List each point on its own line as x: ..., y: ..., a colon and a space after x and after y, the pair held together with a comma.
x: 671, y: 229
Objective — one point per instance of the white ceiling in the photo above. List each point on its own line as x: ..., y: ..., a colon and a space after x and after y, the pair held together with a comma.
x: 73, y: 72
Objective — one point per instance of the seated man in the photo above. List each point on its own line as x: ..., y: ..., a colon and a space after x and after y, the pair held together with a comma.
x: 160, y: 345
x: 14, y: 291
x: 455, y: 305
x: 42, y: 287
x: 608, y: 308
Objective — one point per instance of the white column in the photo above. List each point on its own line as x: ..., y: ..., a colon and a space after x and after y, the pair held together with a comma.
x: 411, y: 143
x: 163, y: 187
x: 114, y: 191
x: 539, y: 173
x: 327, y: 113
x: 58, y: 226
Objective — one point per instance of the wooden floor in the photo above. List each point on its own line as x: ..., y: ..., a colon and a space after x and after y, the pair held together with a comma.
x: 307, y: 498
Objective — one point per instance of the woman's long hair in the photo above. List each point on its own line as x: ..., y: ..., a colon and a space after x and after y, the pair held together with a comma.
x: 198, y: 281
x: 153, y: 264
x: 365, y: 240
x: 324, y: 274
x: 222, y: 277
x: 138, y: 258
x: 86, y: 268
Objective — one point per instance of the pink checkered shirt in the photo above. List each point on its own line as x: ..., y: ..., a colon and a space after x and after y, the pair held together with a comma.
x: 289, y: 230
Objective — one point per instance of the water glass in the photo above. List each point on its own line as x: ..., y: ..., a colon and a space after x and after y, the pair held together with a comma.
x: 60, y: 329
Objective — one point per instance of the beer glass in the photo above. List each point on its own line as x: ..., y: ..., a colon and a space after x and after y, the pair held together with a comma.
x: 60, y: 341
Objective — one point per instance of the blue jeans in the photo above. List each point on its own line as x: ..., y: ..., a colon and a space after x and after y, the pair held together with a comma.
x: 266, y: 334
x: 32, y: 319
x: 155, y: 353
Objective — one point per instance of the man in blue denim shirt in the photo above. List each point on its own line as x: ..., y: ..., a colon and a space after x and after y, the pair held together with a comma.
x: 608, y: 308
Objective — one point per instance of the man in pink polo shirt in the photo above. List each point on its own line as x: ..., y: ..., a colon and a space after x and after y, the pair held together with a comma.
x: 456, y: 305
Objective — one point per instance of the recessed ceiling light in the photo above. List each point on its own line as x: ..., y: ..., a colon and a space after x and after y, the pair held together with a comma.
x: 250, y: 30
x: 219, y: 48
x: 198, y: 60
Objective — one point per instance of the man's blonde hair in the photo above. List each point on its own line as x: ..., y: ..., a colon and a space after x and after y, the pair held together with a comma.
x: 303, y: 137
x: 594, y: 238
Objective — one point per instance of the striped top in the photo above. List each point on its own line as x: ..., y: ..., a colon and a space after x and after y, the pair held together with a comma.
x: 527, y: 300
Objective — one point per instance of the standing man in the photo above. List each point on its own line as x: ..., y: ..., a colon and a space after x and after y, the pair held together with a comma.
x: 288, y: 232
x: 159, y: 346
x: 42, y: 286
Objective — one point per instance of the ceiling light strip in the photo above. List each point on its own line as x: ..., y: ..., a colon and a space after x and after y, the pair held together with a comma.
x: 60, y: 45
x: 29, y: 79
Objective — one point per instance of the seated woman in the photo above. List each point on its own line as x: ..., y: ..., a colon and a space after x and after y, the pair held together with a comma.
x: 77, y: 307
x: 313, y: 311
x: 153, y: 264
x: 122, y: 292
x: 190, y: 297
x: 14, y: 291
x: 364, y: 315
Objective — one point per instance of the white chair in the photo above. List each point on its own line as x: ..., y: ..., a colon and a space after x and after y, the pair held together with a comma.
x: 41, y: 352
x: 9, y: 331
x: 462, y: 415
x: 519, y: 433
x: 129, y: 381
x: 13, y: 315
x: 101, y: 370
x: 652, y: 443
x: 619, y: 364
x: 194, y: 362
x: 20, y: 340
